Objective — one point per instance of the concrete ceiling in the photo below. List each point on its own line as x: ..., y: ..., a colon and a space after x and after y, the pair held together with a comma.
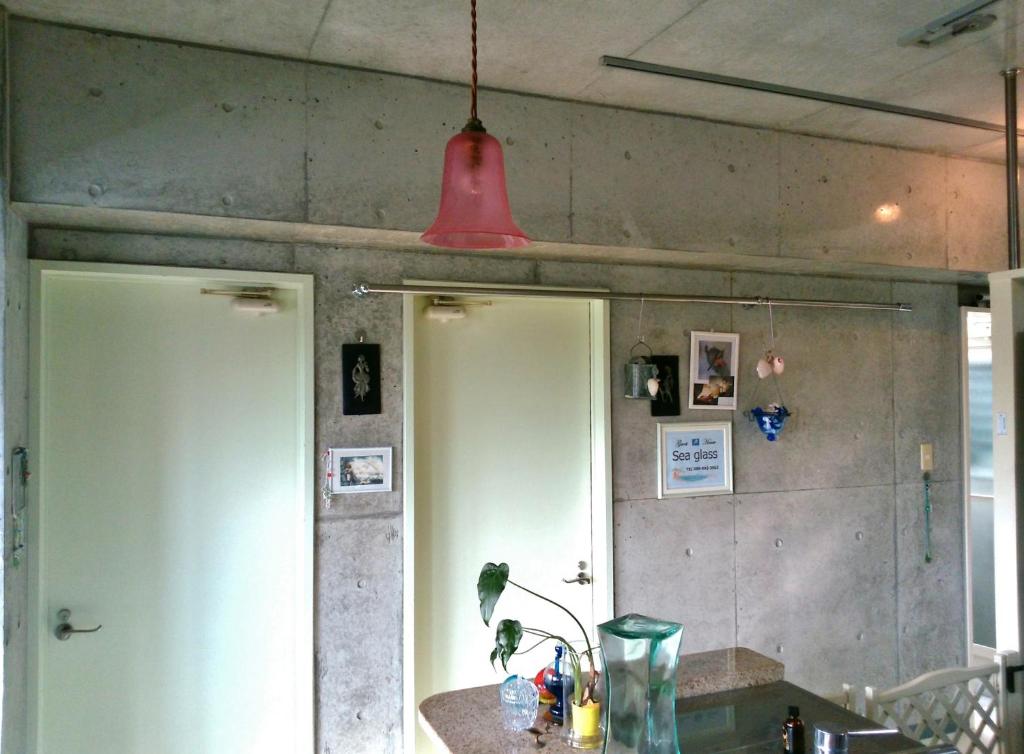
x: 553, y: 47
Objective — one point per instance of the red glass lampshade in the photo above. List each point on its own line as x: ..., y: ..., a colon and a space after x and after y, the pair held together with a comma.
x: 474, y: 211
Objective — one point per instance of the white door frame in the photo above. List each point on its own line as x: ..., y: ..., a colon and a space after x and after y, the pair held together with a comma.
x: 601, y: 484
x: 1008, y: 511
x: 38, y: 623
x: 1007, y: 321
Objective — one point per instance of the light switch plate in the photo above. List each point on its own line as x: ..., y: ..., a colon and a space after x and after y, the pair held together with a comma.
x: 927, y: 457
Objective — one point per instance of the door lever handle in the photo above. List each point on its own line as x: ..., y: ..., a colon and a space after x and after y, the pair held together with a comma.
x: 65, y: 630
x: 581, y: 578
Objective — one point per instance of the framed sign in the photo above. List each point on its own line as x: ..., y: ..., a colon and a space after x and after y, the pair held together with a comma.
x: 714, y: 357
x: 694, y: 458
x: 360, y: 470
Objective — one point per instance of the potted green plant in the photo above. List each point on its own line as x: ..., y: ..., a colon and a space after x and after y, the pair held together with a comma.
x: 509, y: 633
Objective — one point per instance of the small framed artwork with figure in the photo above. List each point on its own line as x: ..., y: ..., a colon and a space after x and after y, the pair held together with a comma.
x: 714, y: 359
x: 694, y: 458
x: 666, y: 400
x: 360, y: 378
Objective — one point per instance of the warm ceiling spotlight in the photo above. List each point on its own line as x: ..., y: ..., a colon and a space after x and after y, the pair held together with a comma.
x: 474, y: 212
x: 887, y: 213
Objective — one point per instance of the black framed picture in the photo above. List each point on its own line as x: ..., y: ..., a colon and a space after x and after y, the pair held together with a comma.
x: 360, y: 378
x: 666, y: 402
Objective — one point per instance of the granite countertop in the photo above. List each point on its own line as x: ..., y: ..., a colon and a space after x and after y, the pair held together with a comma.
x: 468, y: 721
x: 749, y: 720
x: 725, y: 669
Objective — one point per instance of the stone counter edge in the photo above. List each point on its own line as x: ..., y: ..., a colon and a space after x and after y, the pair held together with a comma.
x: 725, y: 670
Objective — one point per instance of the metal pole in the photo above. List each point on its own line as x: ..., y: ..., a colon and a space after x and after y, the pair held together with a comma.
x: 364, y: 289
x: 792, y: 91
x: 1012, y: 201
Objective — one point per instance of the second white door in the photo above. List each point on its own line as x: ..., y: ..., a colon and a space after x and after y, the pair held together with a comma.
x: 504, y: 472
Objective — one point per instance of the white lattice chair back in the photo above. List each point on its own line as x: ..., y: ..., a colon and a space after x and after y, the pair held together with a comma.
x: 847, y: 698
x: 963, y: 707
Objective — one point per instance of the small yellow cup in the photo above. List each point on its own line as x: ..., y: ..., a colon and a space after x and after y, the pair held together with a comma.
x: 586, y: 722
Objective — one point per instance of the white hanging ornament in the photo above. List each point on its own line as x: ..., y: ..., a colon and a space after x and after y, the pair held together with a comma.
x: 653, y: 386
x: 770, y: 420
x: 770, y: 364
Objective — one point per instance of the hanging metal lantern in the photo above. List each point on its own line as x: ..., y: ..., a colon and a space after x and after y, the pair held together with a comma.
x: 641, y: 375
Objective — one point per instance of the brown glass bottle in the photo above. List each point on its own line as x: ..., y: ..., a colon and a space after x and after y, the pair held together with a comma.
x: 793, y: 732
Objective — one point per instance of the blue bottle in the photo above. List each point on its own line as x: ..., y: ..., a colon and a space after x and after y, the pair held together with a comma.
x: 555, y: 683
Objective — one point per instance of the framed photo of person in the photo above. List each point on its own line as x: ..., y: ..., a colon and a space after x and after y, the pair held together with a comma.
x: 714, y: 359
x: 694, y: 459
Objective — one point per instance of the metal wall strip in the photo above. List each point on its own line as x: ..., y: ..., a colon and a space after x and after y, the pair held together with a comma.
x: 1012, y: 202
x: 365, y: 289
x: 791, y: 91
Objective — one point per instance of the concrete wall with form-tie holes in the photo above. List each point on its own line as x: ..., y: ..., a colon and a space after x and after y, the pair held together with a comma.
x: 818, y: 557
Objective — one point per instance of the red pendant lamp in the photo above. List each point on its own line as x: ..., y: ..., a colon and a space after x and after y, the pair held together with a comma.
x: 474, y: 212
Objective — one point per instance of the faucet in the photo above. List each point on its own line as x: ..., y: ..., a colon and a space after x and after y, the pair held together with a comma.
x: 834, y: 738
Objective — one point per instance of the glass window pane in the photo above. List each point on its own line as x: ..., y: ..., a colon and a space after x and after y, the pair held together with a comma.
x: 979, y: 417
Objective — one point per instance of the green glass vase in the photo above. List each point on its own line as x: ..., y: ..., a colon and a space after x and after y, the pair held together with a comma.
x: 641, y: 655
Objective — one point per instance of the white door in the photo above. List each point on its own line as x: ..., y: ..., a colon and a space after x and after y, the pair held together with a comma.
x: 172, y: 506
x: 505, y: 464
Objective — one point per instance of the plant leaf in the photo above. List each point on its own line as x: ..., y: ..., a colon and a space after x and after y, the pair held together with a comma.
x: 489, y: 587
x: 506, y: 641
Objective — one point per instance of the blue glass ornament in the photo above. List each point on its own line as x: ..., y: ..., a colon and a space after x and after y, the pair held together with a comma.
x: 770, y: 420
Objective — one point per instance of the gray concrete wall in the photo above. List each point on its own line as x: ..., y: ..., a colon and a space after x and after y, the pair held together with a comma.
x: 816, y: 560
x: 817, y: 557
x: 108, y: 121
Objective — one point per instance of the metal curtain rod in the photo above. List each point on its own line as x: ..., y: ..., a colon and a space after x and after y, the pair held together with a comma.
x: 792, y: 91
x: 364, y: 289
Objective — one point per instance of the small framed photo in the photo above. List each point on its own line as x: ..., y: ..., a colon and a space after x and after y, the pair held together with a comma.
x: 360, y: 470
x: 694, y: 458
x: 714, y: 360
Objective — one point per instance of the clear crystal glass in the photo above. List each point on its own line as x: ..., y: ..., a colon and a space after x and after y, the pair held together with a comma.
x: 640, y: 656
x: 519, y: 699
